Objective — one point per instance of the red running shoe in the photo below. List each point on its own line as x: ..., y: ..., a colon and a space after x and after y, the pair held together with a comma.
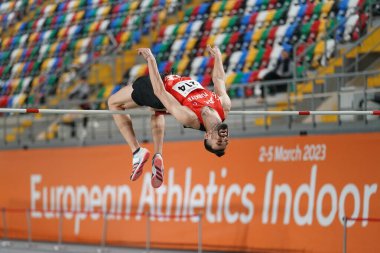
x: 157, y: 171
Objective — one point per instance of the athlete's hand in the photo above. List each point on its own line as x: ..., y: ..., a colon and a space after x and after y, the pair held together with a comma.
x: 214, y: 51
x: 146, y: 53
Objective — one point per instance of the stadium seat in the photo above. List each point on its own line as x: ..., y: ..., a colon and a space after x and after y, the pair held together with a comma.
x: 196, y: 65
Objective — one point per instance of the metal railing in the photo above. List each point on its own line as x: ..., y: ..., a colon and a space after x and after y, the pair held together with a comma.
x: 345, y: 220
x: 60, y: 244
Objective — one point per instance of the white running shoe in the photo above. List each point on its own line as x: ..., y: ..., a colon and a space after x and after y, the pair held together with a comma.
x: 157, y: 171
x: 138, y: 162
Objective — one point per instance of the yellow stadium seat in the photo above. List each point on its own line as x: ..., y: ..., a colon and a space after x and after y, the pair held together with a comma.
x: 191, y: 43
x: 224, y: 22
x: 329, y: 118
x: 183, y: 64
x: 78, y: 45
x: 319, y: 48
x: 182, y: 29
x: 38, y: 116
x: 5, y: 42
x: 230, y: 5
x: 35, y: 82
x: 21, y: 99
x: 73, y: 5
x: 14, y: 83
x: 54, y: 101
x: 106, y: 41
x: 125, y: 36
x: 49, y: 9
x: 11, y: 137
x: 296, y: 97
x: 257, y: 34
x: 108, y: 91
x: 305, y: 87
x: 93, y: 27
x: 45, y: 65
x: 18, y: 130
x: 211, y: 39
x: 79, y: 15
x: 250, y: 58
x: 49, y: 135
x: 107, y: 10
x: 134, y: 5
x: 53, y: 48
x: 62, y: 32
x: 270, y: 15
x: 32, y: 38
x: 327, y: 7
x: 67, y: 118
x: 26, y: 123
x: 374, y: 81
x: 215, y: 7
x: 230, y: 78
x: 282, y: 105
x: 11, y: 4
x: 162, y: 15
x: 142, y: 70
x: 322, y: 26
x: 261, y: 121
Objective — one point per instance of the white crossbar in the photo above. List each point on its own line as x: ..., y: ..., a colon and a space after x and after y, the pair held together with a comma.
x: 258, y: 113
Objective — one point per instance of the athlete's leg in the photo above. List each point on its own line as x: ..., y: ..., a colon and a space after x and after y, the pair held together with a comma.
x: 119, y: 101
x: 158, y: 128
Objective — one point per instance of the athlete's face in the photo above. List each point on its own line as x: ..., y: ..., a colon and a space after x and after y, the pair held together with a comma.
x: 218, y: 137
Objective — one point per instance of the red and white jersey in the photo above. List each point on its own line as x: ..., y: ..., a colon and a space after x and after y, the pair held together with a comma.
x: 193, y: 95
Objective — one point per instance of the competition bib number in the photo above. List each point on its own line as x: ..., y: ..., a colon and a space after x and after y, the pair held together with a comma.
x: 185, y: 87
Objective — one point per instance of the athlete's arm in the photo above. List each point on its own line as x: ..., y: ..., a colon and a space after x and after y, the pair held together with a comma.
x: 181, y: 113
x: 219, y: 77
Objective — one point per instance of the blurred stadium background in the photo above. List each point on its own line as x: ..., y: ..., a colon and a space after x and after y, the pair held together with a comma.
x: 49, y: 48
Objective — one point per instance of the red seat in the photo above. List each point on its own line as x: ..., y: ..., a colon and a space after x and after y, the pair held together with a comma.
x: 195, y: 12
x: 252, y: 20
x: 272, y: 34
x: 54, y: 21
x: 125, y: 22
x: 315, y: 26
x: 266, y: 56
x: 116, y: 9
x: 4, y: 101
x: 208, y: 25
x: 272, y: 4
x: 203, y: 42
x: 309, y: 10
x: 237, y: 6
x: 30, y: 67
x: 161, y: 33
x: 168, y: 67
x: 254, y: 76
x: 206, y: 80
x: 64, y: 47
x: 28, y: 52
x: 248, y: 91
x: 210, y: 63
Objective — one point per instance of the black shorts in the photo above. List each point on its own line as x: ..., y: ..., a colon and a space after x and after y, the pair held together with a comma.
x: 143, y: 93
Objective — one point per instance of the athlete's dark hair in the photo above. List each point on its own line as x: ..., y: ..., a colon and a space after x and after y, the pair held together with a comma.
x: 217, y: 152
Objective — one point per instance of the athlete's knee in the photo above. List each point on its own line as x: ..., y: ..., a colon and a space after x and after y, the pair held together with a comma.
x: 158, y: 121
x: 112, y: 103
